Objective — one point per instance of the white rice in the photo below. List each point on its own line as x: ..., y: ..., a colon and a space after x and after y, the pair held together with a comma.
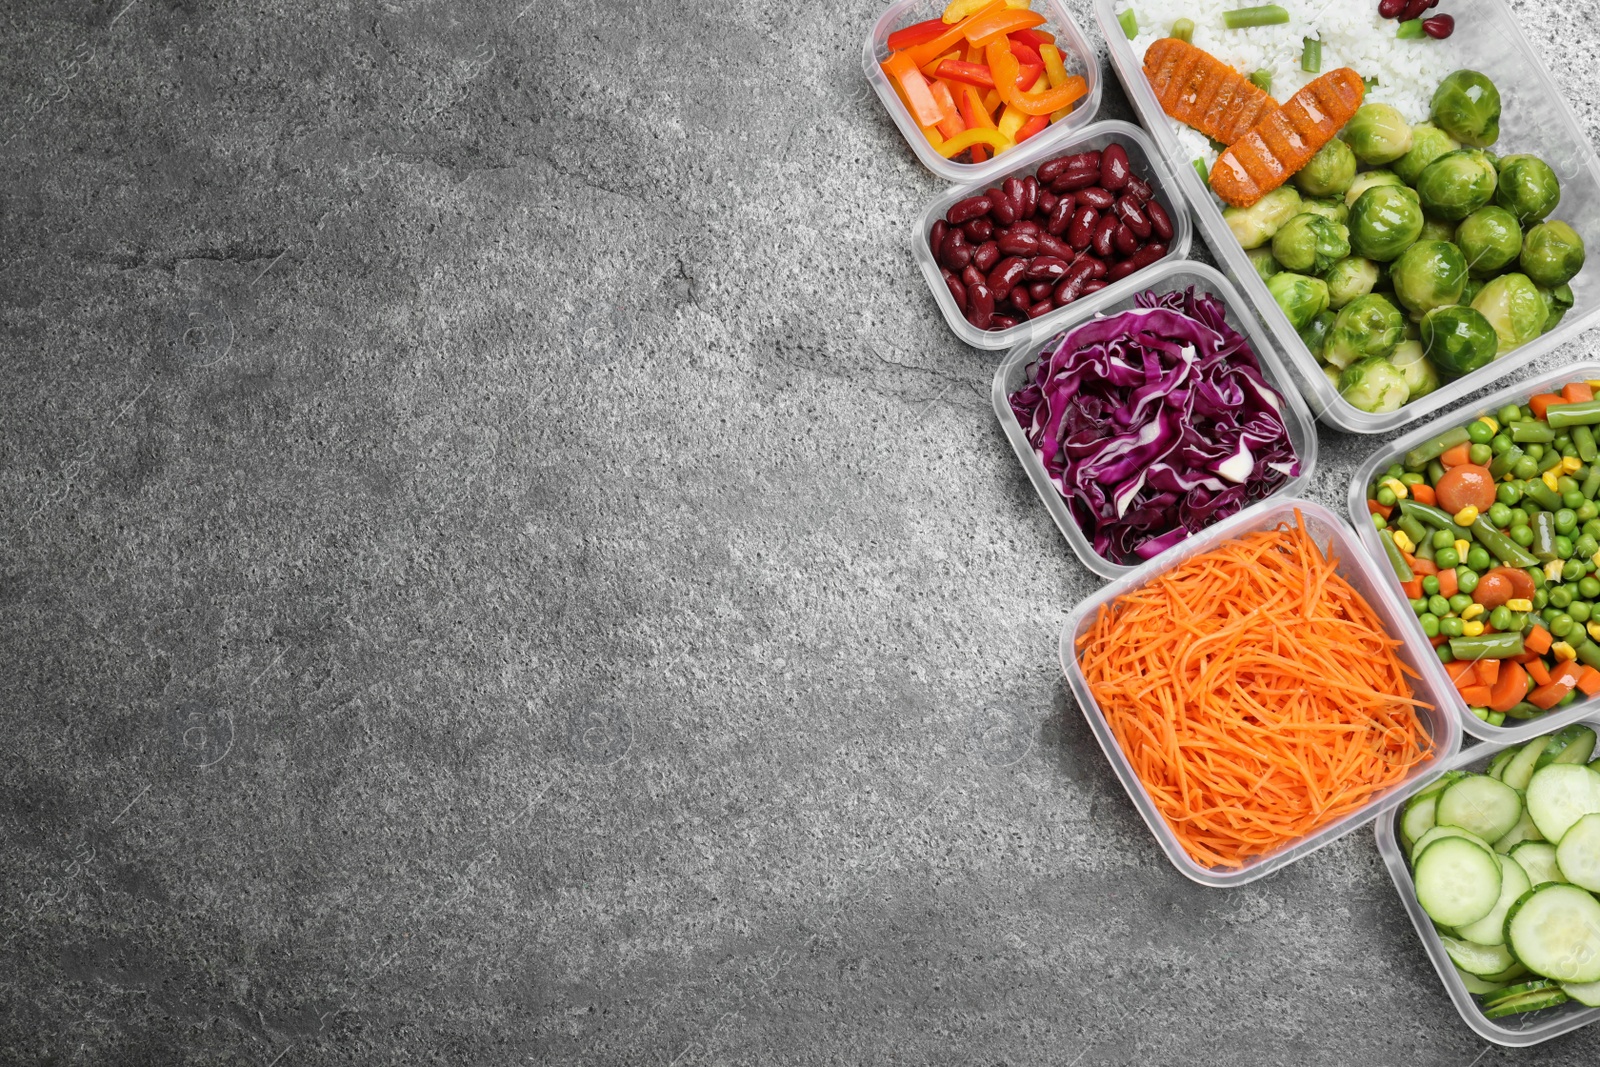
x: 1352, y: 35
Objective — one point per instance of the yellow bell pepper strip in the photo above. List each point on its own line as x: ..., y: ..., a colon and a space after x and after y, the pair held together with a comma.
x: 986, y: 135
x: 984, y: 30
x: 919, y: 98
x: 1056, y: 70
x: 933, y: 135
x: 992, y: 102
x: 949, y: 39
x: 1011, y: 120
x: 960, y: 9
x: 974, y: 115
x: 914, y: 34
x: 950, y: 125
x: 1032, y: 126
x: 1003, y: 65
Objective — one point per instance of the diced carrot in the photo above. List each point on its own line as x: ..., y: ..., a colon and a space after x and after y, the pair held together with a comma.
x: 1537, y: 640
x: 1589, y: 681
x: 1577, y: 392
x: 1424, y: 566
x: 1488, y: 671
x: 1548, y: 696
x: 1509, y: 689
x: 1375, y: 508
x: 1568, y: 670
x: 1539, y: 404
x: 1455, y: 457
x: 1413, y: 588
x: 1541, y: 673
x: 1461, y: 672
x: 1477, y: 696
x: 1422, y: 493
x: 1524, y: 658
x: 1448, y: 585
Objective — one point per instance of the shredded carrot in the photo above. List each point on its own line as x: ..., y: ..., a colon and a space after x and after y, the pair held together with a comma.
x: 1255, y: 694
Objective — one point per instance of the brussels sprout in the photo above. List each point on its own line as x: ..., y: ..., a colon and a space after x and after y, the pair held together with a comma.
x: 1367, y: 179
x: 1467, y: 107
x: 1528, y: 188
x: 1490, y: 239
x: 1513, y: 307
x: 1456, y: 184
x: 1552, y: 253
x: 1470, y: 291
x: 1315, y: 335
x: 1349, y: 278
x: 1558, y: 302
x: 1332, y: 374
x: 1374, y: 385
x: 1383, y: 223
x: 1421, y: 376
x: 1331, y: 208
x: 1428, y: 143
x: 1310, y: 243
x: 1255, y: 225
x: 1412, y: 332
x: 1367, y: 326
x: 1377, y: 134
x: 1427, y: 275
x: 1300, y: 297
x: 1437, y: 230
x: 1459, y: 339
x: 1261, y: 259
x: 1329, y: 172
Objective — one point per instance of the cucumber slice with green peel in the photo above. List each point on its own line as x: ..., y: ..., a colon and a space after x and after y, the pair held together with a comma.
x: 1458, y: 881
x: 1538, y: 860
x: 1491, y: 929
x: 1571, y: 744
x: 1523, y: 831
x: 1521, y: 999
x: 1478, y: 986
x: 1483, y: 805
x: 1585, y: 993
x: 1578, y: 855
x: 1418, y: 818
x: 1511, y: 974
x: 1559, y: 795
x: 1445, y: 831
x: 1498, y: 766
x: 1523, y: 764
x: 1554, y: 930
x: 1489, y: 962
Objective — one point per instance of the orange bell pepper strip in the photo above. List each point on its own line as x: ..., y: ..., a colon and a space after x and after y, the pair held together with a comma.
x: 1577, y: 393
x: 1539, y: 404
x: 951, y: 37
x: 1056, y: 70
x: 914, y: 34
x: 986, y: 29
x: 919, y: 96
x: 950, y: 125
x: 1005, y: 68
x: 973, y: 114
x: 985, y: 135
x: 969, y: 73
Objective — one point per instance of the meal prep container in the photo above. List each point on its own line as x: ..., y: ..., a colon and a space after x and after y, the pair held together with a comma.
x: 1367, y: 579
x: 1536, y: 119
x: 1391, y: 453
x: 1077, y: 55
x: 1517, y: 1030
x: 1164, y: 276
x: 1144, y: 161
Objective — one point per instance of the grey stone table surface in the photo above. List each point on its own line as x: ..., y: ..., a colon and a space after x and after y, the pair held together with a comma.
x: 500, y: 562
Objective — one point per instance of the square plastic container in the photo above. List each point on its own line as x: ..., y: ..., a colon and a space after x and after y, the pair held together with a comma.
x: 1354, y: 566
x: 1391, y: 453
x: 1517, y: 1031
x: 1164, y: 276
x: 1144, y: 161
x: 1537, y: 119
x: 1077, y: 55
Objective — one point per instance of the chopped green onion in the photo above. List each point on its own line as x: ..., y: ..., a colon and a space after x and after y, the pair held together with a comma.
x: 1130, y: 24
x: 1311, y: 56
x: 1205, y: 177
x: 1245, y: 17
x: 1371, y: 83
x: 1262, y: 79
x: 1409, y: 30
x: 1183, y: 30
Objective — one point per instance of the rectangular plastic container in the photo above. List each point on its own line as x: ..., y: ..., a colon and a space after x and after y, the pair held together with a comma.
x: 1164, y: 276
x: 1390, y: 453
x: 1354, y: 566
x: 1077, y: 54
x: 1537, y: 119
x: 1145, y: 162
x: 1517, y: 1031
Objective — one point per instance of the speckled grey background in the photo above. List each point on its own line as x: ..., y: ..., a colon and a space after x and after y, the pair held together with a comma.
x: 501, y: 562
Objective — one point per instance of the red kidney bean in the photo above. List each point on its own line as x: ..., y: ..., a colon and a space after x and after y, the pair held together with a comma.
x: 1012, y: 187
x: 1043, y: 307
x: 1138, y: 188
x: 1072, y: 180
x: 1129, y: 213
x: 1127, y: 241
x: 1096, y: 198
x: 1002, y: 322
x: 1003, y: 210
x: 1105, y: 234
x: 1051, y: 168
x: 1081, y: 231
x: 1047, y: 203
x: 1050, y: 245
x: 1060, y: 216
x: 1030, y: 198
x: 978, y: 230
x: 954, y: 252
x: 1439, y: 27
x: 1019, y: 299
x: 1017, y: 242
x: 1097, y: 267
x: 1138, y: 261
x: 936, y: 235
x: 1038, y: 291
x: 1413, y: 9
x: 1071, y: 285
x: 970, y: 208
x: 1090, y: 158
x: 958, y: 289
x: 1025, y: 225
x: 1390, y: 8
x: 980, y: 306
x: 1114, y: 170
x: 1048, y: 267
x: 986, y: 255
x: 1006, y: 273
x: 1093, y: 285
x: 971, y: 276
x: 1160, y: 222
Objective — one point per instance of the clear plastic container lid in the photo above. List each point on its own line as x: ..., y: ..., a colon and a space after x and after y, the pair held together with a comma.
x: 1537, y: 119
x: 1077, y: 55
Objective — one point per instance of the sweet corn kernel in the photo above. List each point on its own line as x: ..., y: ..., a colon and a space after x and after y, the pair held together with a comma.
x: 1396, y: 486
x: 1594, y: 630
x: 1570, y: 464
x: 1472, y: 629
x: 1550, y: 480
x: 1521, y: 604
x: 1466, y: 516
x: 1472, y: 612
x: 1462, y: 547
x: 1552, y: 570
x: 1563, y: 650
x: 1491, y: 422
x: 1404, y: 543
x: 1593, y: 383
x: 1595, y: 559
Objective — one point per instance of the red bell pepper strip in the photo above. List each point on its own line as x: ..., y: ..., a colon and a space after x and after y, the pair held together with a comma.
x: 986, y: 135
x: 1034, y: 37
x: 950, y: 124
x: 914, y: 34
x: 969, y: 73
x: 1003, y: 65
x: 1032, y: 126
x: 984, y: 30
x: 919, y: 97
x: 953, y: 35
x: 974, y: 114
x: 1025, y: 53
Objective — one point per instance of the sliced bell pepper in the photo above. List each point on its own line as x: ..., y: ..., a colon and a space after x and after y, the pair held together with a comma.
x: 950, y: 125
x: 919, y: 97
x: 991, y: 27
x: 1003, y: 65
x: 930, y: 69
x: 970, y: 73
x: 1035, y: 37
x: 973, y: 114
x: 1577, y: 393
x: 914, y: 34
x: 961, y: 9
x: 992, y: 102
x: 1011, y: 121
x: 1024, y: 52
x: 1034, y: 125
x: 986, y: 135
x: 952, y: 36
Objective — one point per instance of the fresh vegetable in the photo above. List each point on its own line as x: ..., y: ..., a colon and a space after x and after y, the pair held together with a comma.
x: 1275, y: 739
x: 1377, y: 134
x: 1243, y: 18
x: 1312, y: 243
x: 1329, y: 172
x: 1428, y: 275
x: 1527, y: 188
x: 1458, y: 340
x: 1259, y: 223
x: 1490, y: 240
x: 1283, y: 141
x: 1348, y: 279
x: 1428, y: 143
x: 1513, y: 306
x: 1467, y: 107
x: 1154, y: 423
x: 1369, y: 326
x: 1302, y: 298
x: 1552, y: 253
x: 1384, y: 222
x: 1174, y: 66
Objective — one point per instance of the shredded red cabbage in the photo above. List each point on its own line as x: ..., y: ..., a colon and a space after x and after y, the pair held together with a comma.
x: 1155, y: 423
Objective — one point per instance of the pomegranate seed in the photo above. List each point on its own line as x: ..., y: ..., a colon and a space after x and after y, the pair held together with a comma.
x: 1439, y: 27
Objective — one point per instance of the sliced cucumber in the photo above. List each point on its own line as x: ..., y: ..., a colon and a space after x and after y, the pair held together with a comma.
x: 1523, y: 831
x: 1418, y: 818
x: 1558, y: 796
x: 1519, y: 999
x: 1571, y: 744
x: 1497, y: 766
x: 1509, y: 975
x: 1538, y: 860
x: 1578, y: 855
x: 1487, y: 807
x: 1489, y: 962
x: 1445, y: 831
x: 1523, y: 764
x: 1585, y: 993
x: 1478, y: 986
x: 1555, y: 931
x: 1491, y: 929
x: 1458, y: 881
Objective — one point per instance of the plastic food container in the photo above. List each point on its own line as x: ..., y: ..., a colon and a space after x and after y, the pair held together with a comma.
x: 1145, y: 162
x: 1538, y: 120
x: 1076, y: 54
x: 1391, y: 453
x: 1518, y: 1031
x: 1354, y: 566
x: 1164, y: 276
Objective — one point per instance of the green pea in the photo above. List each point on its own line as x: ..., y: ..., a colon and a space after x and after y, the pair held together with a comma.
x: 1466, y: 579
x: 1480, y: 454
x: 1589, y: 588
x: 1522, y: 535
x: 1444, y: 558
x: 1560, y: 596
x: 1385, y: 496
x: 1509, y: 493
x: 1436, y: 604
x: 1563, y: 443
x: 1412, y: 478
x: 1379, y: 522
x: 1563, y: 547
x: 1500, y: 444
x: 1430, y: 585
x: 1572, y: 570
x: 1452, y: 626
x: 1535, y: 450
x: 1565, y: 484
x: 1566, y: 521
x: 1536, y: 575
x: 1587, y: 512
x: 1519, y: 517
x: 1478, y: 432
x: 1580, y: 610
x: 1500, y: 618
x: 1572, y: 694
x: 1443, y: 651
x: 1549, y: 614
x: 1592, y: 526
x: 1430, y: 623
x: 1561, y: 625
x: 1478, y: 559
x: 1527, y: 467
x: 1500, y: 512
x: 1585, y: 547
x: 1541, y: 597
x: 1394, y: 471
x: 1573, y: 499
x: 1460, y: 602
x: 1443, y: 539
x: 1509, y: 413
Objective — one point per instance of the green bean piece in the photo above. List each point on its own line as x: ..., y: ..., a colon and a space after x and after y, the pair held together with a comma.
x: 1410, y: 30
x: 1183, y: 30
x: 1542, y: 495
x: 1527, y: 432
x: 1560, y: 416
x: 1424, y: 551
x: 1261, y: 79
x: 1413, y: 529
x: 1544, y: 537
x: 1200, y: 169
x: 1245, y: 18
x: 1500, y: 546
x: 1433, y: 447
x: 1438, y: 518
x: 1402, y: 569
x: 1591, y: 484
x: 1506, y: 462
x: 1550, y: 460
x: 1583, y: 440
x: 1129, y: 23
x: 1311, y: 56
x: 1435, y: 471
x: 1486, y: 646
x: 1525, y: 710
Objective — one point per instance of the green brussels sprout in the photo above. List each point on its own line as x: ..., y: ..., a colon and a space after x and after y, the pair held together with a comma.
x: 1427, y: 275
x: 1456, y: 184
x: 1459, y: 339
x: 1261, y: 259
x: 1412, y: 332
x: 1490, y: 239
x: 1513, y: 307
x: 1315, y: 335
x: 1428, y: 143
x: 1470, y: 291
x: 1255, y: 225
x: 1528, y: 188
x: 1437, y: 230
x: 1383, y: 223
x: 1367, y: 179
x: 1300, y: 297
x: 1348, y: 279
x: 1421, y: 376
x: 1332, y: 374
x: 1467, y: 107
x: 1557, y: 302
x: 1331, y: 208
x: 1374, y: 384
x: 1367, y: 326
x: 1329, y: 172
x: 1310, y: 243
x: 1552, y: 253
x: 1377, y: 134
